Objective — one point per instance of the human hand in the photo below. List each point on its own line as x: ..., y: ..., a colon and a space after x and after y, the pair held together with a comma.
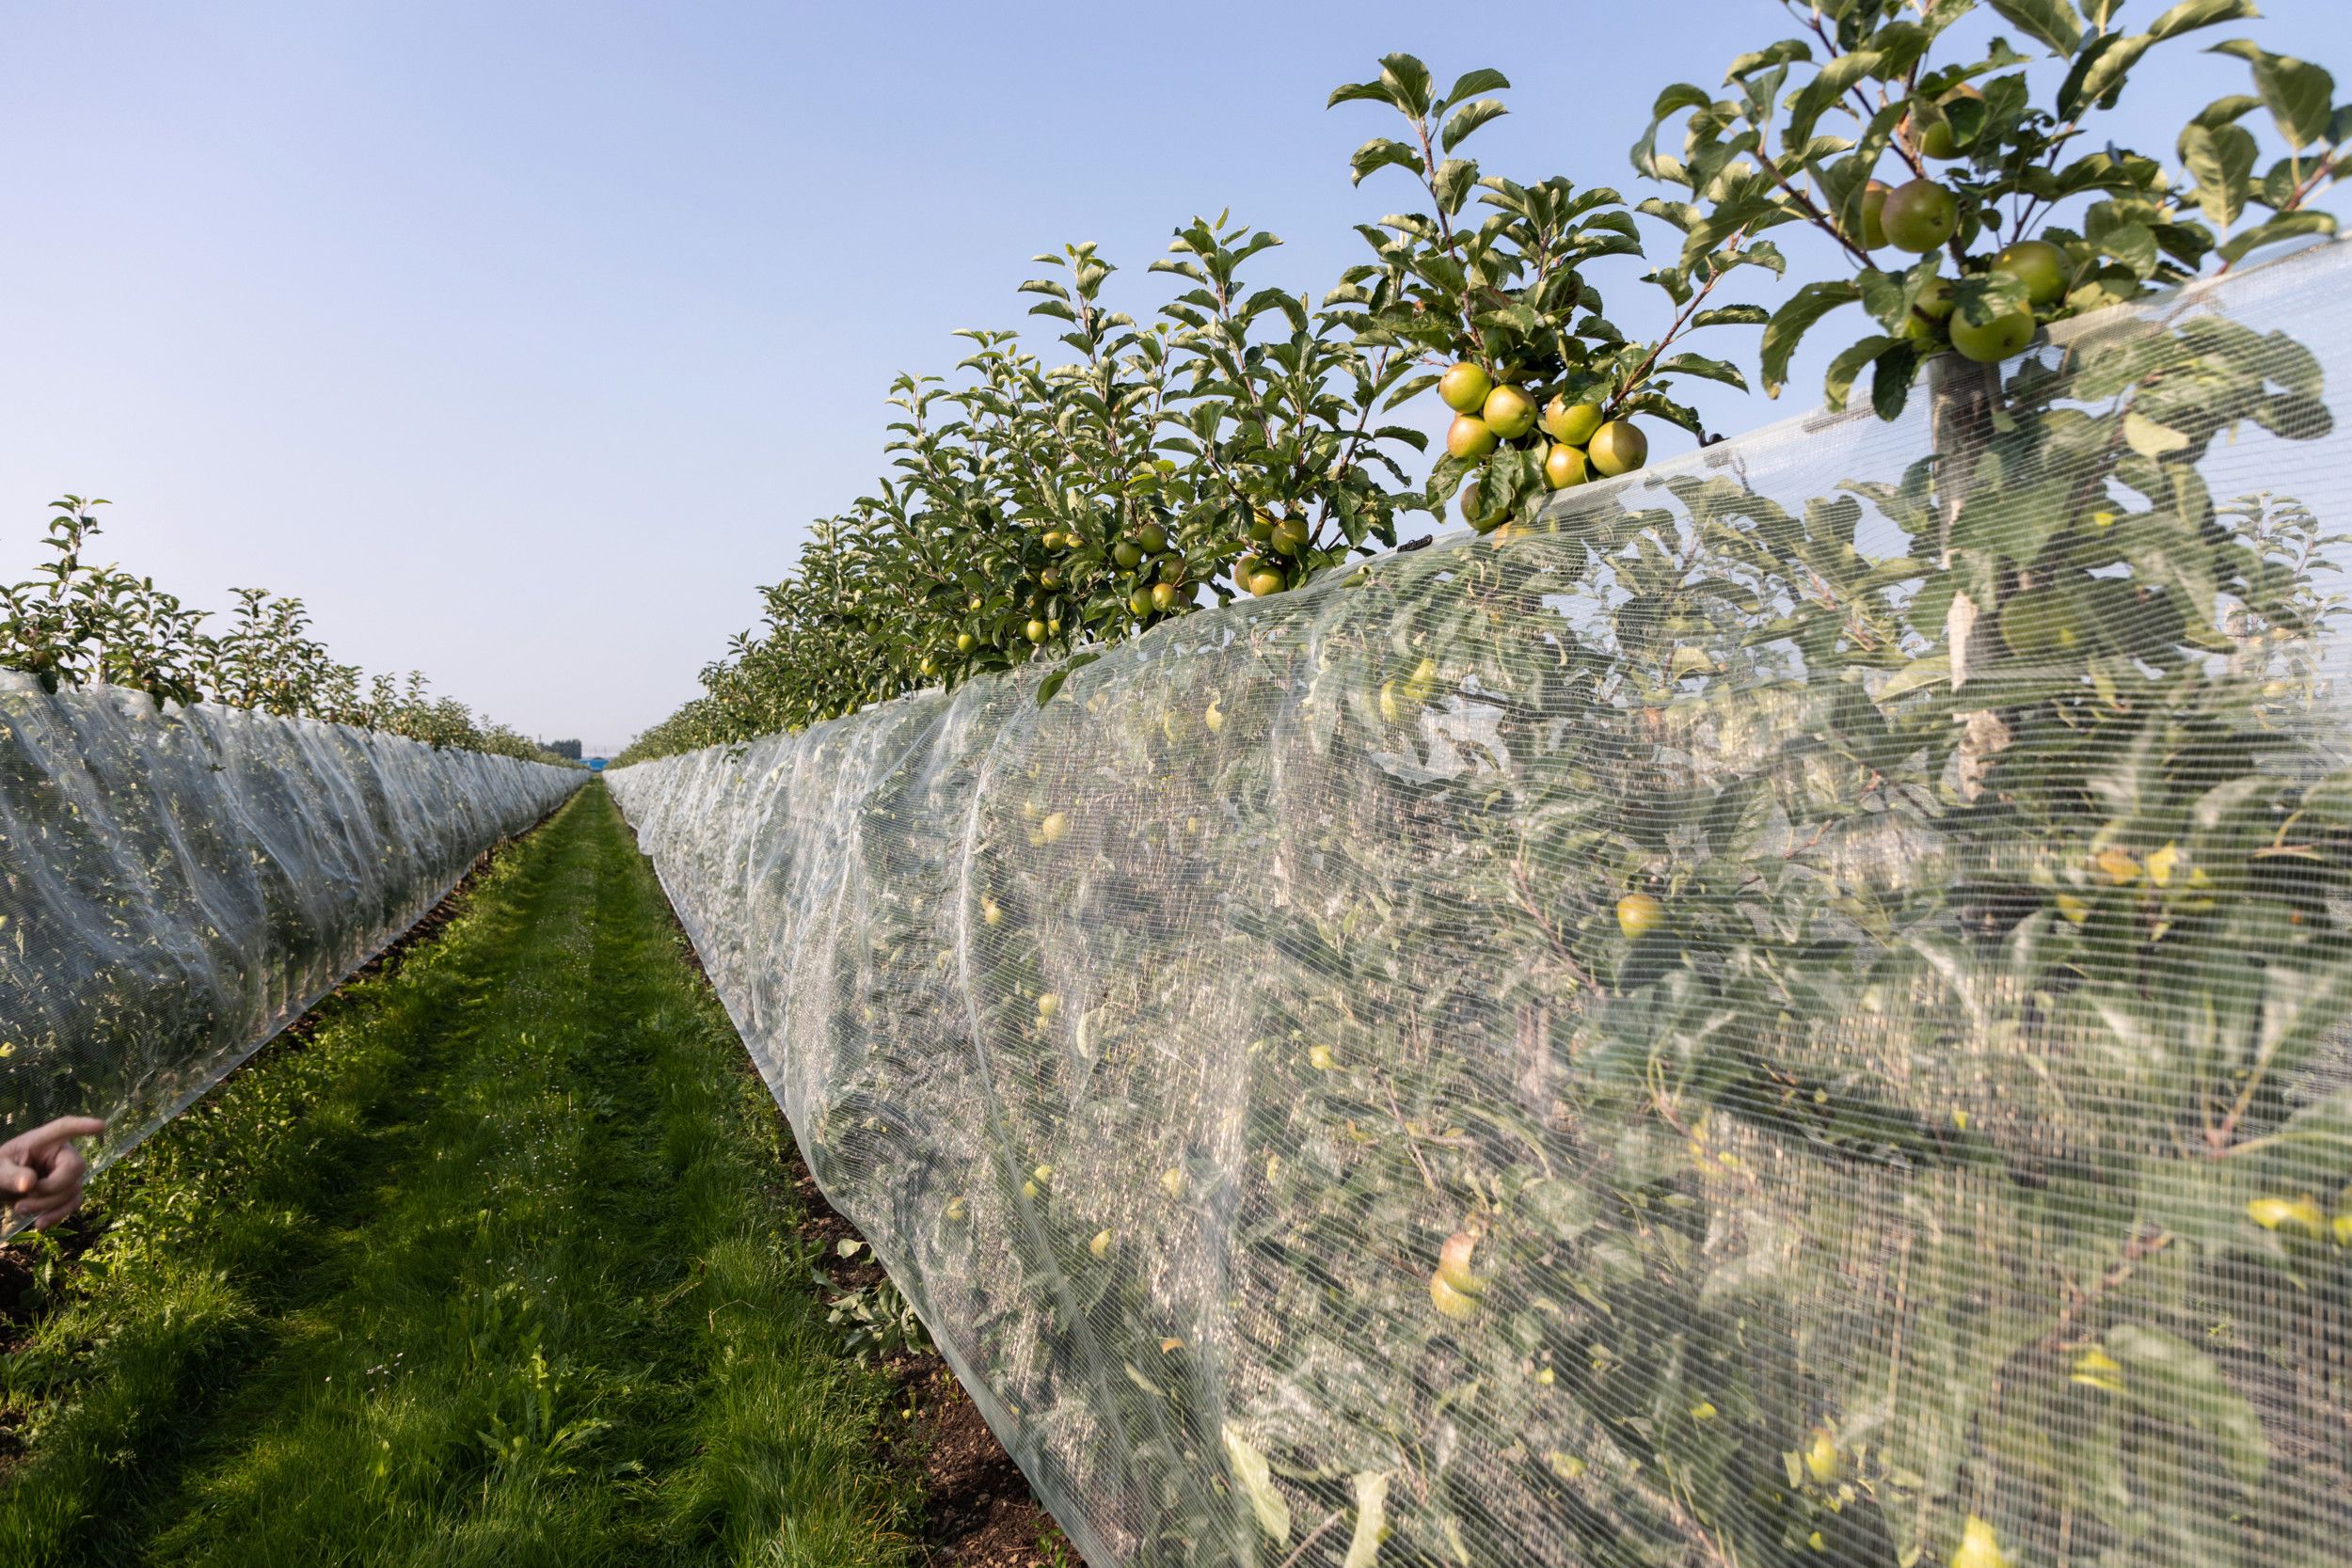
x: 42, y: 1172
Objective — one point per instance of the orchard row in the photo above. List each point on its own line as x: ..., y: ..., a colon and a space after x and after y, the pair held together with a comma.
x: 76, y: 622
x: 1238, y: 440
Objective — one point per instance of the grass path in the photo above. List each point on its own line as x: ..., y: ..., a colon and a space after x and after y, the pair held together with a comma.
x: 493, y: 1268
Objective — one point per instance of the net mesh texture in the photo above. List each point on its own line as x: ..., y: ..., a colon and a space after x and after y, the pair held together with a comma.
x: 1794, y: 1012
x: 179, y: 885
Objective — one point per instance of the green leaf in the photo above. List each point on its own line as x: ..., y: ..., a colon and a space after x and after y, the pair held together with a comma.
x: 2106, y: 76
x: 1839, y: 384
x: 2296, y: 92
x: 2190, y: 15
x: 1705, y: 368
x: 1411, y: 387
x: 2177, y: 1382
x: 2098, y: 71
x: 1891, y: 374
x: 2226, y: 110
x: 1783, y: 53
x: 1732, y: 315
x: 1380, y: 153
x: 1933, y: 669
x: 1407, y: 81
x: 1985, y: 295
x: 2051, y: 22
x: 1484, y: 79
x: 1646, y: 157
x: 1790, y: 323
x: 1468, y: 118
x: 2222, y: 159
x: 2286, y: 226
x: 1359, y: 92
x: 1813, y: 99
x: 1053, y: 683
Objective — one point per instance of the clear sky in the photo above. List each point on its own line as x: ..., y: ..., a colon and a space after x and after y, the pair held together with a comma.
x: 523, y: 339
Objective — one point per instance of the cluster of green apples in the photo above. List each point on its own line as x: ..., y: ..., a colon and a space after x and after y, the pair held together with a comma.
x: 1578, y: 442
x: 1153, y: 570
x: 1920, y: 216
x: 1278, y: 550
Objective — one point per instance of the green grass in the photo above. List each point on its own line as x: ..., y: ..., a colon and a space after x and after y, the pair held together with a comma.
x: 495, y: 1268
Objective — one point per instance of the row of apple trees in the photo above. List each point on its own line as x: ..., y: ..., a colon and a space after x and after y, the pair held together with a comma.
x: 1922, y: 963
x: 1240, y: 439
x: 80, y: 622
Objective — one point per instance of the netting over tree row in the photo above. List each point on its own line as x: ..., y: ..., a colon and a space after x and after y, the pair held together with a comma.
x: 177, y: 884
x: 1793, y: 1013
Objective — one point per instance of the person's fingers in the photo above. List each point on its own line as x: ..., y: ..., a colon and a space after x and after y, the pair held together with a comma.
x: 16, y: 1177
x: 66, y: 1173
x: 42, y: 1206
x: 52, y: 1134
x: 29, y: 1148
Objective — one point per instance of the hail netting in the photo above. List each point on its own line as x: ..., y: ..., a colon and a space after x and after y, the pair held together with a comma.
x: 1793, y: 1013
x: 178, y: 885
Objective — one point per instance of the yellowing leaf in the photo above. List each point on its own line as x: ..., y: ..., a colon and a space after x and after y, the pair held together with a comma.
x: 2096, y: 1369
x: 1371, y: 1507
x: 2149, y: 438
x: 1979, y: 1547
x: 1256, y: 1480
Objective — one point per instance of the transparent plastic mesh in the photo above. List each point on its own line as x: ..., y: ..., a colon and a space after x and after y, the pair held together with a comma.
x: 176, y: 886
x: 1793, y: 1013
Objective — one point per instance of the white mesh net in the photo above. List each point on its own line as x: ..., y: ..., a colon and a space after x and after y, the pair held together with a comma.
x: 1793, y: 1014
x: 178, y: 885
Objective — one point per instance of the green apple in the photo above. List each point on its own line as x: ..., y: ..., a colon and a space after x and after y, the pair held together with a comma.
x: 1937, y: 141
x: 1564, y: 466
x: 1470, y: 437
x: 1874, y: 214
x: 1930, y: 311
x: 2040, y: 265
x: 1464, y: 387
x: 1474, y: 510
x: 1617, y: 448
x: 1919, y: 216
x: 1570, y: 423
x: 1510, y: 413
x: 1998, y: 338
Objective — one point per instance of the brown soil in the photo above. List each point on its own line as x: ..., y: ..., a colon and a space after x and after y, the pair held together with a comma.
x: 979, y: 1511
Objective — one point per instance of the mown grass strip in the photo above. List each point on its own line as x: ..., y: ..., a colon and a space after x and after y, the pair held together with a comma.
x: 495, y: 1268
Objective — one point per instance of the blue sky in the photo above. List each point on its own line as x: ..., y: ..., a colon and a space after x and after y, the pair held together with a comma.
x: 523, y: 341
